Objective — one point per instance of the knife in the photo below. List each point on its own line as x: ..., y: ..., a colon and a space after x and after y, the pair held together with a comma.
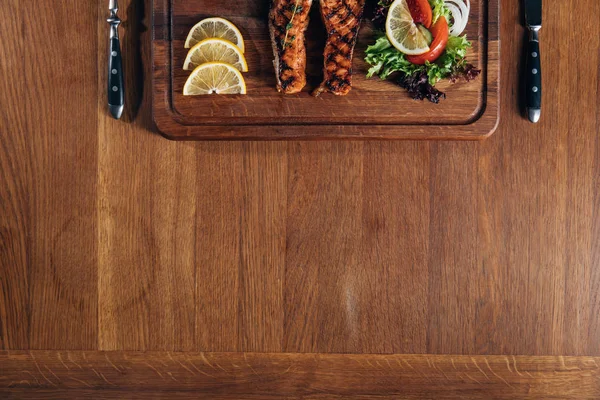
x: 533, y: 75
x: 116, y: 94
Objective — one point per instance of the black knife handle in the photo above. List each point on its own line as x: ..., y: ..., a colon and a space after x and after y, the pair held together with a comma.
x: 533, y: 76
x: 116, y: 95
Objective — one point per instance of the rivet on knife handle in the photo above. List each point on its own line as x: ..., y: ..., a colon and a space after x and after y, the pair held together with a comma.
x: 116, y: 90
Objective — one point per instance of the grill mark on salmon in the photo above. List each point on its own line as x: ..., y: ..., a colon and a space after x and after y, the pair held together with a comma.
x: 342, y: 19
x: 287, y: 39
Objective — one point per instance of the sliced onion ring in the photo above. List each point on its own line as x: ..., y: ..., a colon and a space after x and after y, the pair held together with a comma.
x: 460, y: 12
x: 458, y: 19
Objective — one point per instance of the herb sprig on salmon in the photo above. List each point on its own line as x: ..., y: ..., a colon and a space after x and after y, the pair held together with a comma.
x: 288, y: 21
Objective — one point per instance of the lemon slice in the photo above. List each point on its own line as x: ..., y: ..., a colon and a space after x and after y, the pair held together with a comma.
x: 215, y: 77
x: 210, y: 50
x: 402, y: 32
x: 215, y: 28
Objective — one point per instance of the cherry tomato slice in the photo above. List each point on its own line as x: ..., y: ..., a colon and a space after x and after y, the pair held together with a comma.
x: 439, y: 31
x: 420, y: 10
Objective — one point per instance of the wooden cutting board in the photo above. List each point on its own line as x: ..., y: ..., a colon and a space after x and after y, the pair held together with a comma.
x: 374, y: 109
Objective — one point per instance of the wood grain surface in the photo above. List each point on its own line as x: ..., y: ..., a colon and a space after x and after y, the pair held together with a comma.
x: 118, y: 375
x: 113, y: 238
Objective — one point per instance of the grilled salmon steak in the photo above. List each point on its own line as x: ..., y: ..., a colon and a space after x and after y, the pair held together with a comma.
x: 288, y: 21
x: 342, y: 20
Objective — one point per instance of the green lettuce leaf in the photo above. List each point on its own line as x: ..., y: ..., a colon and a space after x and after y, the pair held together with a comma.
x: 385, y: 60
x: 439, y: 9
x: 451, y: 61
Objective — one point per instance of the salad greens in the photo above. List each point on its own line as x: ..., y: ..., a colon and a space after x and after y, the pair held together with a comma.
x: 386, y: 61
x: 439, y: 8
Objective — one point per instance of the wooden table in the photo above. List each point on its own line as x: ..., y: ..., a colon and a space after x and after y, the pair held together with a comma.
x: 114, y: 240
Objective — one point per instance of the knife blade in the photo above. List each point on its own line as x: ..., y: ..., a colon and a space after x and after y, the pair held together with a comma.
x: 533, y: 74
x: 116, y: 94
